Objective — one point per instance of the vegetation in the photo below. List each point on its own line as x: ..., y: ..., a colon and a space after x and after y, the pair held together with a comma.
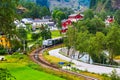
x: 92, y: 36
x: 7, y: 16
x: 114, y: 75
x: 45, y: 32
x: 55, y: 33
x: 117, y: 16
x: 2, y: 50
x: 5, y: 74
x: 101, y: 5
x: 34, y: 10
x: 52, y: 59
x: 58, y: 16
x: 20, y: 65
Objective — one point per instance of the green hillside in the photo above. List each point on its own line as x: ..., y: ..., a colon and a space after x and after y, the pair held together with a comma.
x: 105, y: 5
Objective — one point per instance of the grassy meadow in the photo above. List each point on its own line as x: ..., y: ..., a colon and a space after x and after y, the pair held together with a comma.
x: 23, y: 69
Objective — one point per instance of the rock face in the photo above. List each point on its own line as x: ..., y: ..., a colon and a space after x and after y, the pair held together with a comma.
x: 116, y: 4
x: 100, y: 5
x: 73, y: 4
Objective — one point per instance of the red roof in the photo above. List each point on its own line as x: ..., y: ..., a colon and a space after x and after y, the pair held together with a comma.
x: 76, y: 16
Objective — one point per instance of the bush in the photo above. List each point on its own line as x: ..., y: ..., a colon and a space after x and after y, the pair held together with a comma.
x: 114, y: 76
x: 6, y: 75
x: 2, y: 50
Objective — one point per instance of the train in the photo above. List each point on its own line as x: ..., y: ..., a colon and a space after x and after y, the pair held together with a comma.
x: 51, y: 42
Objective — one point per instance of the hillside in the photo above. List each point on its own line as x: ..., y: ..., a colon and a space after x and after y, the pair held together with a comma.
x: 105, y: 5
x: 65, y: 3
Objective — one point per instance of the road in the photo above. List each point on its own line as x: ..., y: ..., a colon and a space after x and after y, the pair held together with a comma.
x: 84, y: 66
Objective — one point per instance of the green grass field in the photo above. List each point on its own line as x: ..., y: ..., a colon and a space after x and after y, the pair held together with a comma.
x: 23, y: 69
x: 22, y: 72
x: 55, y: 34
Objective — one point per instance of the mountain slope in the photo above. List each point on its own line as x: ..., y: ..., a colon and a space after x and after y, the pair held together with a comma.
x: 105, y: 5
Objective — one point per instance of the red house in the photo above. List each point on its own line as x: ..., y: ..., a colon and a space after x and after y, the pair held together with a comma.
x: 65, y: 24
x: 75, y: 17
x: 109, y: 20
x: 71, y: 18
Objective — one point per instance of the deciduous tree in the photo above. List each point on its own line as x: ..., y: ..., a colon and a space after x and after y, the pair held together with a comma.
x: 7, y: 15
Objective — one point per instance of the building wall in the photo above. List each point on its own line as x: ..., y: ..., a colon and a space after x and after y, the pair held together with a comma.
x: 4, y: 42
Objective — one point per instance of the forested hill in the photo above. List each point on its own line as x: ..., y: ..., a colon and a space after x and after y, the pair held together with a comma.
x: 105, y: 5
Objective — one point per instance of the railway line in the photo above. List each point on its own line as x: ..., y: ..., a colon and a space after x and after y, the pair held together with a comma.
x: 37, y: 56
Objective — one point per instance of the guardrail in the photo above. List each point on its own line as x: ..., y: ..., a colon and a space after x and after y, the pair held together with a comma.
x: 106, y: 65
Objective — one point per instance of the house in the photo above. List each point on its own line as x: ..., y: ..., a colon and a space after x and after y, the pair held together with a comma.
x: 21, y: 9
x: 27, y: 20
x: 71, y: 18
x: 47, y: 18
x: 110, y: 19
x: 65, y: 24
x: 38, y: 22
x: 4, y: 41
x: 75, y: 17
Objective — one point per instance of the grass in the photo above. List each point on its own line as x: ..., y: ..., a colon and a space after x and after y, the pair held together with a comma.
x: 117, y: 57
x: 55, y: 33
x: 22, y: 68
x: 29, y: 36
x: 100, y: 77
x: 53, y: 59
x: 23, y: 72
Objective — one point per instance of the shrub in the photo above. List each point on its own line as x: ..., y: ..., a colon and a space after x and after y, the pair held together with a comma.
x: 2, y: 50
x: 5, y: 74
x: 114, y: 76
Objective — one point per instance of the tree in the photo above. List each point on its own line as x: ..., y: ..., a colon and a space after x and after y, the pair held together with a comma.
x: 117, y: 16
x: 34, y: 10
x: 92, y: 25
x: 45, y: 11
x: 2, y: 50
x: 88, y: 14
x: 99, y: 44
x: 102, y: 15
x: 23, y: 36
x: 82, y: 25
x: 82, y: 42
x: 113, y: 42
x: 96, y: 24
x: 35, y: 36
x: 70, y: 38
x: 7, y: 16
x: 66, y: 10
x: 54, y: 14
x: 91, y: 46
x: 45, y: 32
x: 58, y: 16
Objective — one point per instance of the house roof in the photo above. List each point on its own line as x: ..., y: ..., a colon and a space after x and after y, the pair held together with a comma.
x: 73, y: 14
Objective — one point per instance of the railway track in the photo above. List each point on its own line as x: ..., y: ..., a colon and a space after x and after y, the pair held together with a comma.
x: 37, y: 57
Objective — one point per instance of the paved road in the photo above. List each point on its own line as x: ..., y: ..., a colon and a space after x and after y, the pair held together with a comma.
x: 85, y: 66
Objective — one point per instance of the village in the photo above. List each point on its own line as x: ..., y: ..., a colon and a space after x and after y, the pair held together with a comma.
x: 59, y: 43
